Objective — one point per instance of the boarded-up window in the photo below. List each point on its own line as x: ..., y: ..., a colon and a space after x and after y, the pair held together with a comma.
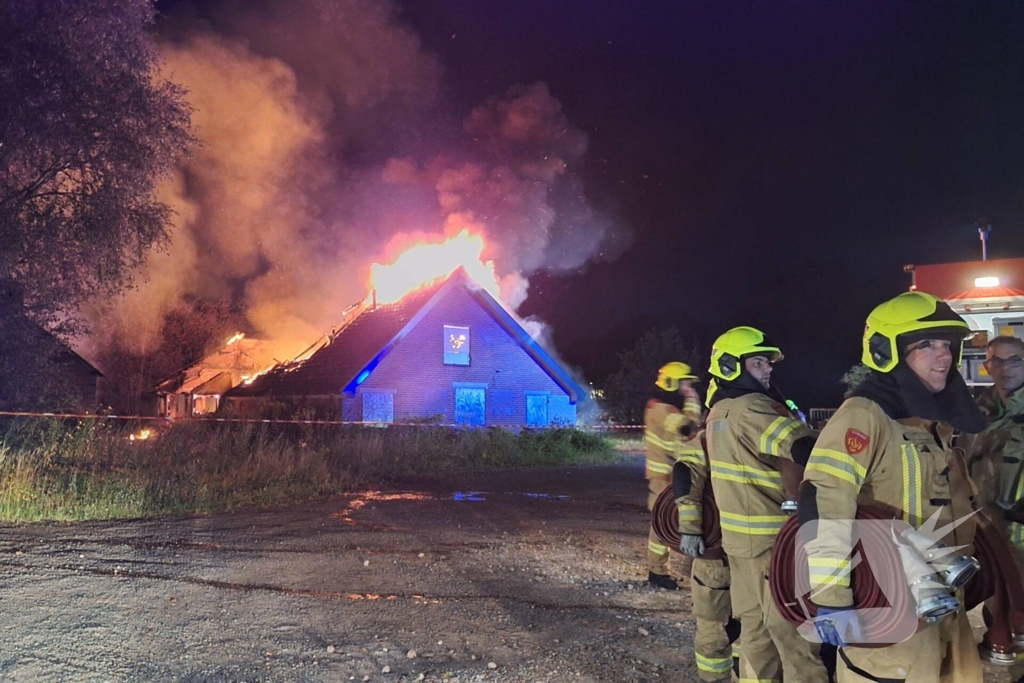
x: 536, y: 409
x: 378, y: 406
x: 456, y: 345
x: 470, y: 405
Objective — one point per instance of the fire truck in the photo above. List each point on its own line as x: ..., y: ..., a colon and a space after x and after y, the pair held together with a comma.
x: 989, y: 294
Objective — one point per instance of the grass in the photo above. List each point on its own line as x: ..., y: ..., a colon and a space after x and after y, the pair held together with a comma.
x: 59, y: 470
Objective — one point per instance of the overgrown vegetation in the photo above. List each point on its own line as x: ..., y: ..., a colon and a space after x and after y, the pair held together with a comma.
x: 56, y: 470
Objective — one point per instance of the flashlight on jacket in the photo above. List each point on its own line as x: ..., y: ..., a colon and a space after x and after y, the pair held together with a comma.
x: 791, y: 404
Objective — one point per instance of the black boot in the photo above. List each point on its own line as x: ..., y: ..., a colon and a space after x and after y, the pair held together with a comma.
x: 662, y: 581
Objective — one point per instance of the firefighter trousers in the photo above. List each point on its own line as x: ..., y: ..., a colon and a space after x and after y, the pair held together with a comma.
x: 772, y: 647
x: 1017, y: 670
x: 709, y: 584
x: 657, y: 552
x: 945, y: 652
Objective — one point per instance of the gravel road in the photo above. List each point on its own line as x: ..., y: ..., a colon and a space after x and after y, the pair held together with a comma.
x: 498, y: 575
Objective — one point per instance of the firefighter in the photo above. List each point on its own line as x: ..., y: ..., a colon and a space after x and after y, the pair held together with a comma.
x: 672, y: 414
x: 757, y: 449
x: 998, y: 452
x: 889, y: 446
x: 709, y: 574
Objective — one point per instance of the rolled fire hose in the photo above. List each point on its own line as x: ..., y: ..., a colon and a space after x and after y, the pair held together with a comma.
x: 995, y: 577
x: 665, y: 521
x: 1002, y: 582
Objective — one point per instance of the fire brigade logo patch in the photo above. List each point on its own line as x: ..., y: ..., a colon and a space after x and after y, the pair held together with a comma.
x: 856, y: 441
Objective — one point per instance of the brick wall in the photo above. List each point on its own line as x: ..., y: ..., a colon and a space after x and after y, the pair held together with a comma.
x: 423, y: 384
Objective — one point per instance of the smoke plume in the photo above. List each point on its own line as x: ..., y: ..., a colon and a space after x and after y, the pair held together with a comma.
x: 323, y: 138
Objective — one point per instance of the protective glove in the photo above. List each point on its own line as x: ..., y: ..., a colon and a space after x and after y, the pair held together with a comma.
x: 838, y: 626
x: 692, y: 545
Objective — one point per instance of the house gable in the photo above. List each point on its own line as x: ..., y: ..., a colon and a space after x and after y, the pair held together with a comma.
x: 395, y: 356
x: 414, y: 372
x: 461, y: 281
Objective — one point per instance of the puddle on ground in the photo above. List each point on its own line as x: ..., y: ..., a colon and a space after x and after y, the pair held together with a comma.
x: 480, y: 495
x: 359, y: 501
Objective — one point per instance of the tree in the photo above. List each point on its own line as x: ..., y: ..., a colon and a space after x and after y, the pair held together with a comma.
x: 854, y: 376
x: 87, y: 130
x: 628, y: 389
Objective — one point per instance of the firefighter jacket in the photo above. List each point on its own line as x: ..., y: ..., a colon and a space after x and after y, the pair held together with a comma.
x: 693, y: 454
x: 664, y: 425
x: 907, y: 468
x: 747, y: 437
x: 998, y: 456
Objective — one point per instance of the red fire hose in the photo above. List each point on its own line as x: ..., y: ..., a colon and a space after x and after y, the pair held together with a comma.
x: 1000, y: 580
x: 998, y: 577
x: 665, y: 520
x: 789, y: 569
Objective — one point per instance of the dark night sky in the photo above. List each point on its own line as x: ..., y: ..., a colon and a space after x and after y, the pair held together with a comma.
x: 778, y: 163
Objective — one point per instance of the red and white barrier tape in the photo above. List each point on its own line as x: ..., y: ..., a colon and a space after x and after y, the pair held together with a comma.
x: 77, y: 416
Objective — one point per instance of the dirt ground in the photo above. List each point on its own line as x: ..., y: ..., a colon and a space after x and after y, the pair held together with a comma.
x: 501, y: 575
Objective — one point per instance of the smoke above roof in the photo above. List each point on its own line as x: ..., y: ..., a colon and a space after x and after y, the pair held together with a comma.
x: 324, y: 138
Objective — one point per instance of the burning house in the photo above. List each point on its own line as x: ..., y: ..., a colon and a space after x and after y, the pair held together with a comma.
x: 447, y: 352
x: 197, y: 389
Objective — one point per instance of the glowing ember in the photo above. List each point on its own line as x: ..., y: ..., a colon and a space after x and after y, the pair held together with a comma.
x: 237, y: 336
x: 426, y: 261
x: 142, y: 435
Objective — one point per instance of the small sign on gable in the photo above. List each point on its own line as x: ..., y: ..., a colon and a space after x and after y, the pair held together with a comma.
x: 456, y: 345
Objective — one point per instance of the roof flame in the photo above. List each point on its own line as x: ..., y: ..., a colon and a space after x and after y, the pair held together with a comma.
x: 426, y: 260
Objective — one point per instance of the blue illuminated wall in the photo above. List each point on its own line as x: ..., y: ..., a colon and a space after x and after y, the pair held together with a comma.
x: 423, y: 385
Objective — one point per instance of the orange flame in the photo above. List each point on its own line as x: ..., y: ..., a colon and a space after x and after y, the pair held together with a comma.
x: 428, y: 260
x: 143, y: 435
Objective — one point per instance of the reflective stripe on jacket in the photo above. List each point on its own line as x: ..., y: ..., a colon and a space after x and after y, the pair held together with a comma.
x: 905, y: 467
x: 663, y: 427
x: 745, y: 437
x: 692, y: 453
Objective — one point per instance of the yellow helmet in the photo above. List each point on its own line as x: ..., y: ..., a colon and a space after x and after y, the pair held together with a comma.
x: 910, y: 313
x: 672, y: 373
x: 730, y: 348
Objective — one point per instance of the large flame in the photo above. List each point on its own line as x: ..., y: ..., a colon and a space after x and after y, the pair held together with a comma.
x: 425, y: 261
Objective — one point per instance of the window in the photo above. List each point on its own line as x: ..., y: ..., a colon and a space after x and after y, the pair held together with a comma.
x: 470, y: 402
x: 456, y: 345
x: 536, y: 409
x: 378, y: 406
